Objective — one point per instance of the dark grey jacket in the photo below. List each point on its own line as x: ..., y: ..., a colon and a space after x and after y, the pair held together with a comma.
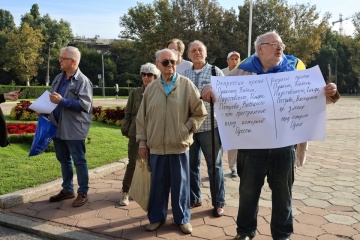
x: 74, y: 125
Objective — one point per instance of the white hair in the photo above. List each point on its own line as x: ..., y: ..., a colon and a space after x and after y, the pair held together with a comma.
x: 159, y: 52
x: 72, y: 52
x: 150, y: 68
x: 261, y: 38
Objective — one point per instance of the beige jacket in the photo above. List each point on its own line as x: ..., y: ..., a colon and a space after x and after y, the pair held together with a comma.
x: 165, y: 124
x: 301, y: 148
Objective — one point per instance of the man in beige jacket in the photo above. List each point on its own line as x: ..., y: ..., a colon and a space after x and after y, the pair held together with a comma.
x: 171, y: 110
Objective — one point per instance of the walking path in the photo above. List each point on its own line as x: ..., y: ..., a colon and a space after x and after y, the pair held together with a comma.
x: 326, y: 198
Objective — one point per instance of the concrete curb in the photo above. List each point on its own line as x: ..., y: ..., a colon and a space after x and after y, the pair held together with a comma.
x: 42, y: 229
x: 23, y: 196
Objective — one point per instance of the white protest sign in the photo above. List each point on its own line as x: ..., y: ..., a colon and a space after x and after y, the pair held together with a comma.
x: 270, y: 110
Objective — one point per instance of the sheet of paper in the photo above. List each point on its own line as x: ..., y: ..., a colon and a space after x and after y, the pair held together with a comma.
x: 270, y: 110
x: 43, y: 104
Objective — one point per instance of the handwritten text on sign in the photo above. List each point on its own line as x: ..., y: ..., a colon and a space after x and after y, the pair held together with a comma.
x: 271, y: 110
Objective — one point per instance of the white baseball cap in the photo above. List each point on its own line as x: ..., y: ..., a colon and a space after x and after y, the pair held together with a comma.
x: 233, y: 53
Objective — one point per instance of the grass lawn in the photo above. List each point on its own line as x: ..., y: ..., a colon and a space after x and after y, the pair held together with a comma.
x: 18, y: 171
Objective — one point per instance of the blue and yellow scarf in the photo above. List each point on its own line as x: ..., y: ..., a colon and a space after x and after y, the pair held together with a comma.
x: 288, y: 63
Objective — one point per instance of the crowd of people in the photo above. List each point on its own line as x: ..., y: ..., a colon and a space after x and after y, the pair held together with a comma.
x: 168, y: 121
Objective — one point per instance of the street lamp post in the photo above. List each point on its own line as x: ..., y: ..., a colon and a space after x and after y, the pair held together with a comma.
x: 336, y: 60
x: 103, y: 70
x: 250, y: 28
x: 103, y: 75
x: 47, y: 81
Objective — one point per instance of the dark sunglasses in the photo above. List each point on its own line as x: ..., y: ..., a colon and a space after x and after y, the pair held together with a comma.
x: 166, y: 62
x: 147, y: 74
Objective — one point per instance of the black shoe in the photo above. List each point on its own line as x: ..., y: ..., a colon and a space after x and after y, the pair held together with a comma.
x: 218, y: 211
x: 61, y: 196
x: 238, y: 237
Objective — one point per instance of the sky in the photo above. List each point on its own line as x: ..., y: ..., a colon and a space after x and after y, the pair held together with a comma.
x: 89, y: 18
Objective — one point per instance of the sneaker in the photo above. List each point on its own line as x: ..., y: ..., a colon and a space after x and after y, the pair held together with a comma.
x: 194, y: 205
x: 80, y: 200
x: 124, y: 201
x: 153, y: 226
x: 234, y: 174
x: 61, y: 196
x: 238, y: 237
x: 186, y: 228
x: 218, y: 212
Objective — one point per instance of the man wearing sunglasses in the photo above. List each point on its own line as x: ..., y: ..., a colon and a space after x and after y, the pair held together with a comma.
x: 277, y: 165
x: 200, y: 74
x: 171, y: 110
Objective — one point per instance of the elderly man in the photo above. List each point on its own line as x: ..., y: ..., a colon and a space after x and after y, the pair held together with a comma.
x: 72, y: 91
x: 171, y: 110
x: 200, y: 74
x: 275, y: 164
x: 233, y: 59
x: 179, y: 47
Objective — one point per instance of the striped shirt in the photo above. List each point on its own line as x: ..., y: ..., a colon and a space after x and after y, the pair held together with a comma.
x: 201, y: 78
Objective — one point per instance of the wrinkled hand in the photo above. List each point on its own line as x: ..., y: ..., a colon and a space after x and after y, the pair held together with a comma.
x: 330, y: 89
x: 143, y: 152
x: 12, y: 95
x: 207, y: 94
x: 55, y: 98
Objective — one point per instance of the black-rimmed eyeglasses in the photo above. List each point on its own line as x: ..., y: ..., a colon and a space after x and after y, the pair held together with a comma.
x: 147, y: 74
x: 275, y: 45
x: 166, y: 62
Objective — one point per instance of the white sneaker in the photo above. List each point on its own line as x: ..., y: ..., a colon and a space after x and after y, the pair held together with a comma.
x: 186, y: 228
x: 124, y: 201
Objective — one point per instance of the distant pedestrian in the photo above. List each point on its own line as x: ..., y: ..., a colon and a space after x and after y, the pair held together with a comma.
x: 116, y: 91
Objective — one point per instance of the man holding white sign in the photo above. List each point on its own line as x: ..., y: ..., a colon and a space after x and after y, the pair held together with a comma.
x: 277, y: 164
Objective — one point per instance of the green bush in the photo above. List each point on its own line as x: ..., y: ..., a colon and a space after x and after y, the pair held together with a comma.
x: 21, y: 111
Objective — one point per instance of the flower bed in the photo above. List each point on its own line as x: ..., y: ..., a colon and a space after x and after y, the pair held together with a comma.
x: 21, y: 132
x: 21, y: 128
x: 109, y: 115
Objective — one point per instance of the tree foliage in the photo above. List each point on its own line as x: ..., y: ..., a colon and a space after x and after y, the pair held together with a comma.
x: 22, y: 52
x: 6, y: 20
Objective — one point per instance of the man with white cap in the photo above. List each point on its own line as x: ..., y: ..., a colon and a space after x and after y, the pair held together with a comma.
x: 233, y: 59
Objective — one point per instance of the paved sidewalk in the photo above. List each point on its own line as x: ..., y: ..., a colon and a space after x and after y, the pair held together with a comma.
x: 326, y: 198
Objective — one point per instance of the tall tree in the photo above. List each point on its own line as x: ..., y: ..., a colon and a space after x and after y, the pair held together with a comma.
x: 58, y: 32
x: 33, y: 19
x: 306, y: 32
x: 6, y: 20
x: 22, y: 52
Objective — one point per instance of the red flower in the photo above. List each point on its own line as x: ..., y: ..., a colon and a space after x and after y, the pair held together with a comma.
x: 21, y: 128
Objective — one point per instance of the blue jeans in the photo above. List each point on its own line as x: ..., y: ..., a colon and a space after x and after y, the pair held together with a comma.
x: 202, y: 143
x: 169, y: 173
x: 67, y: 152
x: 278, y: 166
